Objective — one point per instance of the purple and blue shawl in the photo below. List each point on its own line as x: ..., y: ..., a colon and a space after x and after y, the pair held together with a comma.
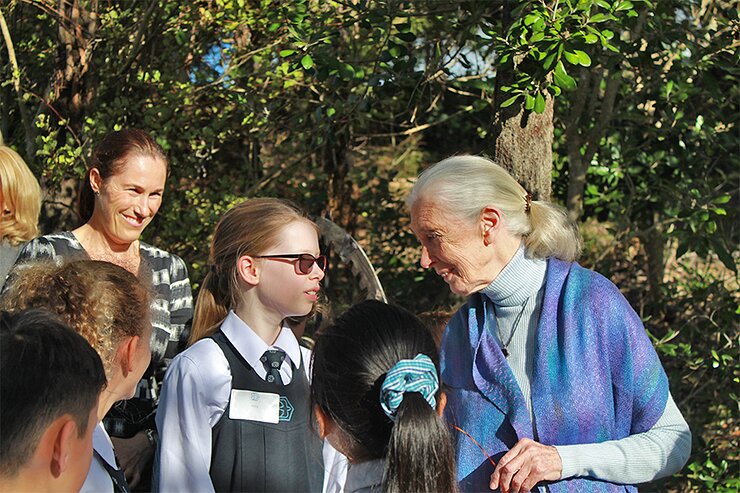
x: 596, y: 377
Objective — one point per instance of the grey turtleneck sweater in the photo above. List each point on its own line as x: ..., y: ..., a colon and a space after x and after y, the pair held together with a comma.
x: 517, y: 293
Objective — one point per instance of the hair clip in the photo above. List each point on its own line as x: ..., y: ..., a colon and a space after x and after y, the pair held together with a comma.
x: 527, y: 203
x: 409, y: 375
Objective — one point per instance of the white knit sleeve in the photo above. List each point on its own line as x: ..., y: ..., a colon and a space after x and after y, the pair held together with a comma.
x: 656, y: 453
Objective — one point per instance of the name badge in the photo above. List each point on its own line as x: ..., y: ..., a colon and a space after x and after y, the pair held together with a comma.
x: 254, y: 406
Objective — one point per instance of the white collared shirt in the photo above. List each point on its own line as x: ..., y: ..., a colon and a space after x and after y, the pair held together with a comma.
x: 195, y: 394
x: 251, y: 347
x: 98, y: 480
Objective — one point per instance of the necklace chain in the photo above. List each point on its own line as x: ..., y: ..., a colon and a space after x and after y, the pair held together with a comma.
x: 505, y: 345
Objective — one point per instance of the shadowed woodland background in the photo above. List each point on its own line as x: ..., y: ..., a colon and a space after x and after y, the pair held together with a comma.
x: 626, y: 112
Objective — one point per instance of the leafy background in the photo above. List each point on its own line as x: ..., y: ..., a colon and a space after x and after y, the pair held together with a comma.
x: 338, y: 104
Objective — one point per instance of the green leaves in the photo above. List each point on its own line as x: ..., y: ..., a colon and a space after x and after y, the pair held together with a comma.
x: 539, y: 103
x: 307, y: 62
x: 578, y: 57
x: 532, y: 102
x: 508, y: 102
x: 562, y: 79
x: 624, y: 5
x: 543, y: 38
x: 529, y: 102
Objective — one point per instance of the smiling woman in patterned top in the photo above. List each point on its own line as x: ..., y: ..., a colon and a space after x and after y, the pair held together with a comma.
x: 120, y: 195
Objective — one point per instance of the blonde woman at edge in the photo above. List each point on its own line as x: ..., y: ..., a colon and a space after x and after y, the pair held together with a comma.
x: 20, y: 204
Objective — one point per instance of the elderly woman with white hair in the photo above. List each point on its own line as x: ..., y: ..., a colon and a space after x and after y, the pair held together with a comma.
x: 551, y: 378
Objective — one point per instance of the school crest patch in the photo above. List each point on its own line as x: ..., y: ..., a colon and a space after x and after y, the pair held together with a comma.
x: 286, y: 409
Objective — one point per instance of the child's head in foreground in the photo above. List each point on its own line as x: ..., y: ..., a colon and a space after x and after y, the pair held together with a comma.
x: 376, y: 395
x: 50, y: 380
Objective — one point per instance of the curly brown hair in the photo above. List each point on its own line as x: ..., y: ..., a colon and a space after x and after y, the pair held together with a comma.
x: 101, y: 301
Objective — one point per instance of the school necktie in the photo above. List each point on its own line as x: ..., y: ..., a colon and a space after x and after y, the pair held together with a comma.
x: 120, y: 485
x: 272, y: 360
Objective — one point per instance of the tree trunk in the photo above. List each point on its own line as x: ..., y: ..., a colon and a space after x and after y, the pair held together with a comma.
x: 71, y: 93
x: 577, y: 169
x: 30, y: 135
x: 654, y: 244
x: 4, y: 108
x: 591, y: 111
x: 337, y: 167
x: 522, y: 144
x: 583, y: 142
x: 521, y: 141
x: 58, y: 211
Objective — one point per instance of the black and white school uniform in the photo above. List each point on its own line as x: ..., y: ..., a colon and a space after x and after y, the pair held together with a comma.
x: 104, y: 476
x: 365, y: 477
x: 224, y: 427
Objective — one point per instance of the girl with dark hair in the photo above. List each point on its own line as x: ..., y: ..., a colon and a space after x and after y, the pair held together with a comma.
x: 377, y: 399
x: 120, y: 195
x: 234, y: 414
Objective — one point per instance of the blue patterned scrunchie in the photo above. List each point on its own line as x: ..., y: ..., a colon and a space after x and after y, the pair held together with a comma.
x: 409, y: 375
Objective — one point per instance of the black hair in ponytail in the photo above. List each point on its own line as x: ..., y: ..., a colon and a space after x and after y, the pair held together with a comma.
x: 350, y: 361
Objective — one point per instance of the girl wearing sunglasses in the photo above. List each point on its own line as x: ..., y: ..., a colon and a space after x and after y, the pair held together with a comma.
x: 234, y: 410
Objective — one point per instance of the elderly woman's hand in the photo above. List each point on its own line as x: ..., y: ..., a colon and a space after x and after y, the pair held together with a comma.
x: 525, y: 465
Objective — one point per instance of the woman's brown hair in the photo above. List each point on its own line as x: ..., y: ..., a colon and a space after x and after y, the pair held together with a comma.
x: 249, y: 228
x: 110, y: 156
x: 102, y: 302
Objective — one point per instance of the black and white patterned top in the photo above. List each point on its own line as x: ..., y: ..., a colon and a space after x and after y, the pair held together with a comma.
x: 171, y: 312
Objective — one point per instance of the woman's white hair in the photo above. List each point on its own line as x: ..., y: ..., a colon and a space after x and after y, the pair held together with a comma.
x: 465, y: 185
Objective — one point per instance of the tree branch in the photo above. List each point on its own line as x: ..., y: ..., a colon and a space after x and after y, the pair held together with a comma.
x: 576, y: 109
x: 425, y: 126
x: 137, y: 45
x: 609, y: 98
x: 598, y: 76
x: 46, y: 104
x: 16, y: 76
x: 607, y: 110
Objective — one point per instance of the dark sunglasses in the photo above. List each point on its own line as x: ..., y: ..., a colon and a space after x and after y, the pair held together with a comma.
x: 303, y: 262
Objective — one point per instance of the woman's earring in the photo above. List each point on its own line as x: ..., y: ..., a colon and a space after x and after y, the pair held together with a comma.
x: 97, y: 193
x: 486, y: 236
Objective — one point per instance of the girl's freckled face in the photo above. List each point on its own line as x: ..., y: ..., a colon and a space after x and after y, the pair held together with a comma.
x: 281, y: 287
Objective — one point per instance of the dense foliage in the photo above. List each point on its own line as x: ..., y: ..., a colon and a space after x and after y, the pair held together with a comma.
x: 337, y: 104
